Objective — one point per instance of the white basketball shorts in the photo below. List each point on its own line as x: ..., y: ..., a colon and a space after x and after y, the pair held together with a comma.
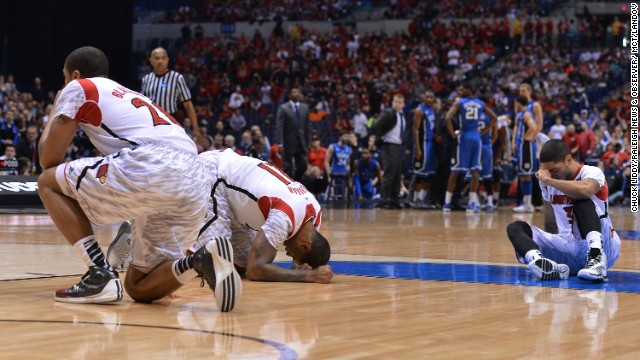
x: 162, y: 190
x: 572, y: 250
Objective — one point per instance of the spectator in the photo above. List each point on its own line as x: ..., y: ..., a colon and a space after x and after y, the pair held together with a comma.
x: 237, y: 122
x: 218, y: 142
x: 10, y: 161
x: 230, y: 143
x: 237, y: 99
x: 245, y: 141
x: 28, y: 147
x: 558, y: 129
x: 257, y: 149
x: 571, y: 139
x: 586, y: 141
x: 9, y: 130
x: 359, y: 125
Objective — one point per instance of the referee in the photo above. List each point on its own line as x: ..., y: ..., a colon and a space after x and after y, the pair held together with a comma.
x: 166, y: 87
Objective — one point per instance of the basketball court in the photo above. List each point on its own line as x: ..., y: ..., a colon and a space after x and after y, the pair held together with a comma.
x: 408, y: 284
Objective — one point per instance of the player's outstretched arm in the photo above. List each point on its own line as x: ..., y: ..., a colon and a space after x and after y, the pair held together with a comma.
x: 260, y: 266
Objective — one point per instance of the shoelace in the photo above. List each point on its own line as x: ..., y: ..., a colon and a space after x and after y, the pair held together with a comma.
x: 592, y: 261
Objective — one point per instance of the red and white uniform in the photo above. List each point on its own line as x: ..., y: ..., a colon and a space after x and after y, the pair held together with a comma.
x: 568, y: 247
x: 563, y: 205
x: 252, y: 195
x: 151, y: 173
x: 115, y: 117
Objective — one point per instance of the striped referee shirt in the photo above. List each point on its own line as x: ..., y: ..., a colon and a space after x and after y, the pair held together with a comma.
x: 166, y: 90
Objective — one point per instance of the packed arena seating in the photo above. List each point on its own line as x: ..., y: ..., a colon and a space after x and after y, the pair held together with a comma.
x: 271, y: 10
x: 573, y: 65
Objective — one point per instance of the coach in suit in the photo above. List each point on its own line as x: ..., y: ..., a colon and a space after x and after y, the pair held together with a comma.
x: 28, y: 147
x: 293, y: 133
x: 391, y: 128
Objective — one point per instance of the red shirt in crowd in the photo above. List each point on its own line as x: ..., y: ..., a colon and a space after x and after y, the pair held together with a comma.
x: 586, y: 141
x: 571, y: 140
x: 316, y: 156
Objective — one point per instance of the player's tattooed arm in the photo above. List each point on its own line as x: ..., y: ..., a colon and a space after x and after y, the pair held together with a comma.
x: 260, y: 266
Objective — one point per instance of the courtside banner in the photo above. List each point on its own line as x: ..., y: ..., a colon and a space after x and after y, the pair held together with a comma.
x: 19, y: 191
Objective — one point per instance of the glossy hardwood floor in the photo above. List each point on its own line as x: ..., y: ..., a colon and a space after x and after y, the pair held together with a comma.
x: 426, y: 288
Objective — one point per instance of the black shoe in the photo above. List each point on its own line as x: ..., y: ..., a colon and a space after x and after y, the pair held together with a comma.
x: 98, y: 285
x: 216, y: 258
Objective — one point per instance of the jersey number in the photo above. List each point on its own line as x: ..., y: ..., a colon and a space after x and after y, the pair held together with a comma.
x: 471, y: 113
x: 569, y: 211
x: 276, y: 172
x: 157, y: 120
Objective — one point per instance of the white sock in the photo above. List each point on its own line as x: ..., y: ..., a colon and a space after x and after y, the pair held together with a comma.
x: 532, y: 255
x: 183, y: 276
x: 595, y: 239
x: 473, y: 198
x: 527, y: 200
x: 415, y: 196
x: 90, y: 252
x: 422, y: 194
x: 447, y: 197
x: 496, y: 195
x: 490, y: 200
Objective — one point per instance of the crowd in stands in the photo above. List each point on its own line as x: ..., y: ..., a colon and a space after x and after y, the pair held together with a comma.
x: 323, y: 10
x: 444, y: 9
x: 261, y: 11
x: 576, y: 67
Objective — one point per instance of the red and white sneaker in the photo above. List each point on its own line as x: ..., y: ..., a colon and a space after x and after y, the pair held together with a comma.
x: 97, y: 286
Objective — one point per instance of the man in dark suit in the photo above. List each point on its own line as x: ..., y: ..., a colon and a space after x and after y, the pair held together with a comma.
x: 391, y: 128
x: 293, y: 133
x: 28, y: 147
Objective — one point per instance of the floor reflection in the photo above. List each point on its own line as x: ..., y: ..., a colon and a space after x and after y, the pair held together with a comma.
x: 566, y: 310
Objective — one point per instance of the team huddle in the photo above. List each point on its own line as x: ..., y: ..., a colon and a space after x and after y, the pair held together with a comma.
x: 223, y: 216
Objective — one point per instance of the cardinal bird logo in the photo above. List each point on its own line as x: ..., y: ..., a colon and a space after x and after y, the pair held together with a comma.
x: 102, y: 173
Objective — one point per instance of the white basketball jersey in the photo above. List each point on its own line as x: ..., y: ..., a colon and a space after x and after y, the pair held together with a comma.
x: 263, y: 197
x: 563, y: 204
x: 115, y: 117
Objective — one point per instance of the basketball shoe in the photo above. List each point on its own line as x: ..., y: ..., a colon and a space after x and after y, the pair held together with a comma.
x: 214, y: 262
x: 120, y: 248
x: 596, y: 268
x: 98, y: 285
x: 473, y: 208
x: 523, y: 209
x: 446, y: 208
x: 546, y: 269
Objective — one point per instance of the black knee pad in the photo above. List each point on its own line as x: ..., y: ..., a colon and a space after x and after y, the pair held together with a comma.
x: 584, y: 212
x: 517, y: 228
x: 521, y: 237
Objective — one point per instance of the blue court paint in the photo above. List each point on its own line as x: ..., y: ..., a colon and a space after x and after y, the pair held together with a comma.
x: 485, y: 274
x: 629, y: 234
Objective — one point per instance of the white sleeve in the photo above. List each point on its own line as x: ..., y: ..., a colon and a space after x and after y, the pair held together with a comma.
x: 592, y: 172
x: 277, y: 228
x: 70, y: 100
x: 545, y: 192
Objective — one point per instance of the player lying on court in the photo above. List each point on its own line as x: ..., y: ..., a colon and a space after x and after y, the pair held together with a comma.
x: 259, y: 208
x: 152, y: 174
x: 577, y: 195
